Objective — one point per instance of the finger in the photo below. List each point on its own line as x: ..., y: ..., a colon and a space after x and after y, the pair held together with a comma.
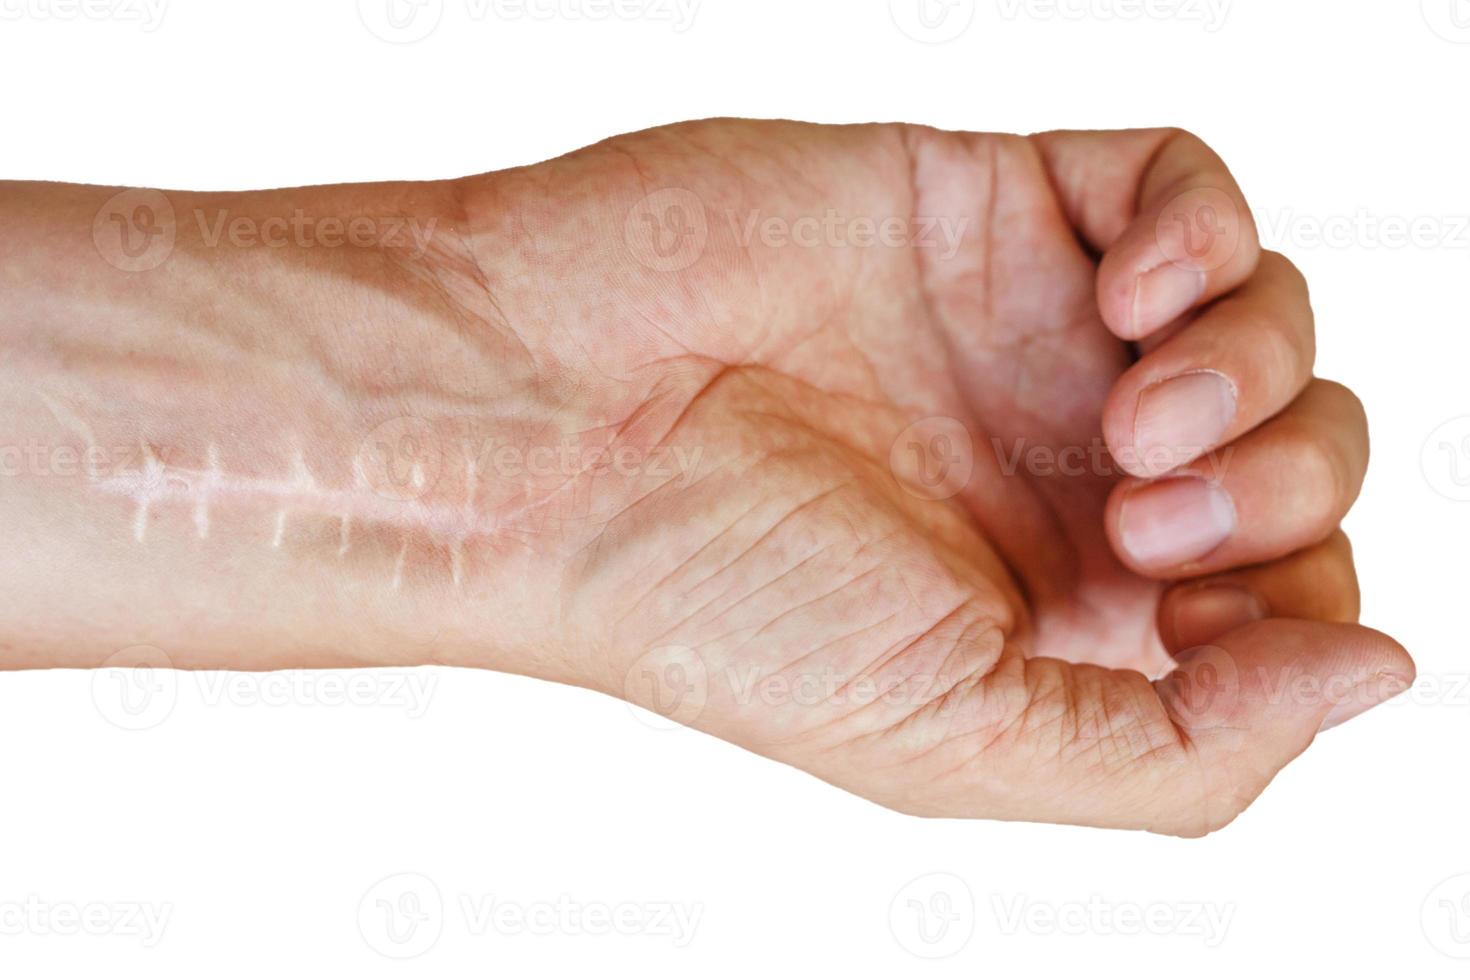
x: 1162, y: 206
x: 1253, y: 702
x: 1317, y: 583
x: 1183, y: 755
x: 1239, y: 363
x: 1276, y: 490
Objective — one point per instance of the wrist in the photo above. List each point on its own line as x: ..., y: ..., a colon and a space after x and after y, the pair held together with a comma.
x: 263, y: 449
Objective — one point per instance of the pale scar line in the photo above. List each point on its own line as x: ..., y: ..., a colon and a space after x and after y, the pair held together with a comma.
x: 155, y: 482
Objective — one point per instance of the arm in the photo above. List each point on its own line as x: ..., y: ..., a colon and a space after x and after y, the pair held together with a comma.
x: 619, y: 420
x: 245, y: 428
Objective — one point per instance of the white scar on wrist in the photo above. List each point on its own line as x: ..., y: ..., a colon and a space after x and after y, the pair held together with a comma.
x: 305, y: 488
x: 152, y: 474
x: 211, y: 481
x: 456, y: 547
x: 204, y: 489
x: 398, y: 566
x: 156, y: 483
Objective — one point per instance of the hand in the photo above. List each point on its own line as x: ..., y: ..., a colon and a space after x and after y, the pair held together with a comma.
x: 821, y: 415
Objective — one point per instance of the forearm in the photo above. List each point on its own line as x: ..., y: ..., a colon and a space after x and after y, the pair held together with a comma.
x: 263, y: 446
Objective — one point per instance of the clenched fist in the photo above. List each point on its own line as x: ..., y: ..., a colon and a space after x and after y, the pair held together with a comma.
x: 980, y: 475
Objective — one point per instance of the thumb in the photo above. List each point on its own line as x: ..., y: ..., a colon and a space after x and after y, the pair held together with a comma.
x: 1255, y: 700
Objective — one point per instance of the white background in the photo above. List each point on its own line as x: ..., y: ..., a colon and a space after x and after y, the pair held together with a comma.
x: 259, y: 821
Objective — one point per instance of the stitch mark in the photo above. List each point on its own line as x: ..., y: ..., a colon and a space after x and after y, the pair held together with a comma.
x: 212, y: 478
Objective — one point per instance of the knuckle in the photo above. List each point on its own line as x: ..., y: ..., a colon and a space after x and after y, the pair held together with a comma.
x: 1350, y: 599
x: 1340, y: 545
x: 1284, y: 352
x: 1324, y: 480
x: 1349, y: 421
x: 1179, y: 134
x: 1284, y: 269
x: 1341, y: 579
x: 1343, y: 403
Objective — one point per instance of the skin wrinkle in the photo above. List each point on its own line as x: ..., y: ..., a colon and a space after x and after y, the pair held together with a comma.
x: 433, y: 269
x: 1069, y: 744
x: 1047, y: 173
x: 765, y: 539
x: 837, y: 641
x: 1008, y: 676
x: 769, y: 584
x: 967, y: 762
x: 746, y: 554
x: 791, y: 173
x: 524, y: 243
x: 597, y: 540
x: 772, y: 583
x: 721, y: 373
x: 1167, y: 139
x: 743, y: 556
x: 846, y: 720
x: 473, y: 323
x: 908, y: 514
x: 805, y: 604
x: 889, y: 657
x: 665, y: 580
x: 590, y: 550
x: 957, y: 694
x: 988, y: 223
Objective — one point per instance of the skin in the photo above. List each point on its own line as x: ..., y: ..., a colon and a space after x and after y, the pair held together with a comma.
x: 315, y: 454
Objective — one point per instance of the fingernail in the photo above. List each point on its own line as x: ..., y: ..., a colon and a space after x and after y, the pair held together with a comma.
x: 1213, y: 611
x: 1181, y: 418
x: 1369, y: 694
x: 1175, y: 521
x: 1162, y: 295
